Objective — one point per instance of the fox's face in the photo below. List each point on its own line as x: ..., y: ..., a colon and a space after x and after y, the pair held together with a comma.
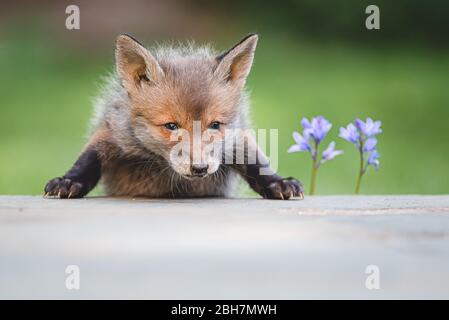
x: 181, y: 105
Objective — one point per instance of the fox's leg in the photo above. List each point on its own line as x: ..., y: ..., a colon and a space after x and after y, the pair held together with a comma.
x: 79, y: 180
x: 262, y: 178
x: 269, y: 186
x: 84, y: 174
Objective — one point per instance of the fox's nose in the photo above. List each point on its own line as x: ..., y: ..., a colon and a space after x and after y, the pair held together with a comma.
x: 199, y: 170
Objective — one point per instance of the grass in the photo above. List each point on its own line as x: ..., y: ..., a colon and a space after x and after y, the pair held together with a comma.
x: 46, y: 93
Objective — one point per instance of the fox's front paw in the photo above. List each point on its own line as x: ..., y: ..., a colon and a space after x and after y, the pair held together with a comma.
x: 64, y: 188
x: 284, y: 189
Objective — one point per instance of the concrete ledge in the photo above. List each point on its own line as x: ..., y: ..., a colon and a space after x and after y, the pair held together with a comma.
x: 225, y: 248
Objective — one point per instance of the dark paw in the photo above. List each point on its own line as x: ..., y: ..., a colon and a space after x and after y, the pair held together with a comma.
x: 284, y: 189
x: 64, y: 188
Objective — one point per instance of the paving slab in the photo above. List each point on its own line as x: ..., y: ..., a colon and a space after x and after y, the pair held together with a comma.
x: 362, y: 247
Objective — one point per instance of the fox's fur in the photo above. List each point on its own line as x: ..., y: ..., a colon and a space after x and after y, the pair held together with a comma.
x: 130, y: 142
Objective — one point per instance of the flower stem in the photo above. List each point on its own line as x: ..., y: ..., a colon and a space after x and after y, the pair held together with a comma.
x: 361, y: 172
x: 313, y: 178
x: 314, y: 170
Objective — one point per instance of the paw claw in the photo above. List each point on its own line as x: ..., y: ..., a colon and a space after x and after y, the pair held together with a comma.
x: 284, y: 189
x: 64, y: 188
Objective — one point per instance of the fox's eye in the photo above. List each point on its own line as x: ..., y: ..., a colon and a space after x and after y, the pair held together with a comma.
x: 143, y: 77
x: 171, y: 126
x: 215, y: 125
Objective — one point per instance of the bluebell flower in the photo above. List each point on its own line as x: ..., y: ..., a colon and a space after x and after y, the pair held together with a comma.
x: 370, y: 144
x: 369, y: 128
x: 330, y: 152
x: 305, y: 123
x: 302, y: 144
x: 350, y: 133
x: 318, y: 129
x: 373, y: 159
x: 313, y: 133
x: 362, y: 135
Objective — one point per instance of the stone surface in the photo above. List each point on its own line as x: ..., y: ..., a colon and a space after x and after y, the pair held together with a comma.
x: 225, y: 248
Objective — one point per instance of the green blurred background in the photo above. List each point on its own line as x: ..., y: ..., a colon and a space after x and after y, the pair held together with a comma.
x: 314, y: 58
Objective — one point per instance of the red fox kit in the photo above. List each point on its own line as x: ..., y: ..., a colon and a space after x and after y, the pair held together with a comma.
x: 154, y: 95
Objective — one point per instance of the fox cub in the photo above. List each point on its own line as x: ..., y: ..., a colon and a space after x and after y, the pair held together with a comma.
x: 160, y: 93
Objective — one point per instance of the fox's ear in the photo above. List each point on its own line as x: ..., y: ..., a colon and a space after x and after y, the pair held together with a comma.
x: 234, y: 65
x: 135, y: 63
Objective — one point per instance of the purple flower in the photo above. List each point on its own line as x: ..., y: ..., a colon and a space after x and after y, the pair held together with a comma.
x: 373, y: 159
x: 302, y: 144
x: 362, y: 135
x: 330, y: 152
x: 313, y: 133
x: 318, y: 128
x: 350, y: 134
x: 369, y: 128
x: 370, y: 144
x: 305, y: 123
